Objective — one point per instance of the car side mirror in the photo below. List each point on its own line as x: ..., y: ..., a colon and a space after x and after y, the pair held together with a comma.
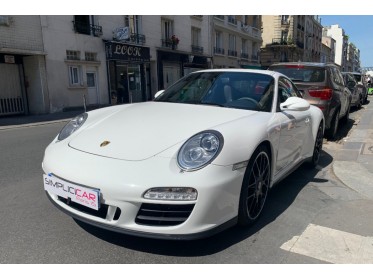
x: 158, y: 93
x: 295, y: 104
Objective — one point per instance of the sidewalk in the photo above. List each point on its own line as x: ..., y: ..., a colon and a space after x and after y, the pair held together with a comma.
x: 353, y: 164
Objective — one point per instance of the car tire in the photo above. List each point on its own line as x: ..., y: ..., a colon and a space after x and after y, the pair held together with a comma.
x: 346, y: 117
x: 358, y: 106
x: 255, y: 187
x: 317, y: 148
x: 332, y: 132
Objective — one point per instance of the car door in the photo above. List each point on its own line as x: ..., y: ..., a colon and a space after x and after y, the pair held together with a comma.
x: 295, y: 126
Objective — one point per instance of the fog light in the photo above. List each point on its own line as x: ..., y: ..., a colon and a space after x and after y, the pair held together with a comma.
x: 171, y: 194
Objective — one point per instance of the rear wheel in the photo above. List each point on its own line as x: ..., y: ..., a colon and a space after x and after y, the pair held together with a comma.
x: 255, y: 187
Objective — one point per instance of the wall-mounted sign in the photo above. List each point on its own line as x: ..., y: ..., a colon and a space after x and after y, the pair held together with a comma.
x: 9, y: 59
x: 122, y: 33
x: 127, y: 52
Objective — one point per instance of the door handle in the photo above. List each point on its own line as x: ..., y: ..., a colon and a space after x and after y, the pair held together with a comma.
x: 307, y: 121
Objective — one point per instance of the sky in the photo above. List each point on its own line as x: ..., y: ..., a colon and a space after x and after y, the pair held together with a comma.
x: 359, y: 28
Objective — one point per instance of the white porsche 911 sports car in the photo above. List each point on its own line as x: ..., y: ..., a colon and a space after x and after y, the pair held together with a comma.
x: 199, y: 158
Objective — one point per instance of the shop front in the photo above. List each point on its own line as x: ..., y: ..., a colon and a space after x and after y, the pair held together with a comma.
x: 128, y: 72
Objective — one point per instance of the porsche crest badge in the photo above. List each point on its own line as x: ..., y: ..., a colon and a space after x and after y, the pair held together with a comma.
x: 105, y: 143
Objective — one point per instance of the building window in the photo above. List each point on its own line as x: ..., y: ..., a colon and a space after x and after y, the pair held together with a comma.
x: 232, y: 20
x: 232, y: 45
x: 89, y: 56
x: 218, y: 39
x: 72, y: 55
x: 196, y: 36
x: 74, y: 75
x: 134, y: 23
x: 86, y: 25
x: 4, y: 20
x: 244, y: 49
x: 167, y: 28
x: 285, y: 19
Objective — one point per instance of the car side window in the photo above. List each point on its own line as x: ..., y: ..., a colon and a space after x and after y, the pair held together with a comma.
x: 286, y: 89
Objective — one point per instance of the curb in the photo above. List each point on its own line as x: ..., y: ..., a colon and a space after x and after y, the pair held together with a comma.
x: 7, y: 127
x: 355, y: 176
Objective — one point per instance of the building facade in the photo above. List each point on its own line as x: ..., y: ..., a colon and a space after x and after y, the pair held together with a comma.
x: 327, y: 49
x: 236, y: 41
x: 53, y: 63
x: 23, y: 81
x: 290, y: 38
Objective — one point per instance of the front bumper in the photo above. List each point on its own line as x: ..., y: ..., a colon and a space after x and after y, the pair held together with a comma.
x: 123, y: 183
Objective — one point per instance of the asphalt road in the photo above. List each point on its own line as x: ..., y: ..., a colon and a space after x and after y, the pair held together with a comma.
x: 34, y: 231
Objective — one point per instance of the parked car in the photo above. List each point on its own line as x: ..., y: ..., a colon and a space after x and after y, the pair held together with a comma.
x: 357, y: 98
x: 199, y: 158
x: 361, y: 85
x: 322, y: 85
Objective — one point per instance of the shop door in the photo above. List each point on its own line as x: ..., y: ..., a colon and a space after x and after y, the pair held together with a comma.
x: 11, y: 101
x: 134, y: 84
x: 171, y: 73
x: 92, y: 88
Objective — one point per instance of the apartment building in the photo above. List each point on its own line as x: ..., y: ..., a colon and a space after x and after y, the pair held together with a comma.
x: 290, y: 38
x: 327, y: 48
x: 23, y: 82
x: 353, y: 58
x: 236, y: 41
x: 52, y: 63
x: 338, y: 34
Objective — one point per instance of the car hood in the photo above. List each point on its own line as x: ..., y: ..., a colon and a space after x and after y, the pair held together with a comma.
x: 139, y: 131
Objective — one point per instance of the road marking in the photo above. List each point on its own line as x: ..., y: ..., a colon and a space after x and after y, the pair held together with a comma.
x: 333, y: 246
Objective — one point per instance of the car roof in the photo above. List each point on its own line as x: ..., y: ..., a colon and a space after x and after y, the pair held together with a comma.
x: 241, y: 70
x: 353, y: 73
x: 311, y: 64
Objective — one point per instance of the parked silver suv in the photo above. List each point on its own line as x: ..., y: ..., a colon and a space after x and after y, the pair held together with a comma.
x: 322, y: 85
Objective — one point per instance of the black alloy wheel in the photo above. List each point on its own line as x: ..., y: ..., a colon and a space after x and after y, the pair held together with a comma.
x: 318, y: 146
x: 255, y: 187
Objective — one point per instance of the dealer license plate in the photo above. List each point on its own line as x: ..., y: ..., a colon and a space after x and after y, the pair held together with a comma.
x: 81, y: 195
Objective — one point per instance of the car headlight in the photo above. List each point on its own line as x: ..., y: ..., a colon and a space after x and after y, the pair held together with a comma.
x: 200, y: 150
x: 72, y: 126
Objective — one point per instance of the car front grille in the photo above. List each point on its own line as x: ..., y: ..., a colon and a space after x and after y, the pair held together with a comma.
x: 100, y: 213
x: 163, y: 214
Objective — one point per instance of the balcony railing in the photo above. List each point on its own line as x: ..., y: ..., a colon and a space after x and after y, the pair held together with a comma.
x: 254, y: 57
x: 136, y: 39
x: 218, y: 50
x: 88, y: 29
x: 167, y: 43
x: 197, y: 49
x: 244, y: 56
x: 232, y: 53
x: 282, y: 42
x: 252, y: 31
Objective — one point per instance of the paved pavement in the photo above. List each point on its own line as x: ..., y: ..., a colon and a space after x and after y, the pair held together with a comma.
x: 352, y: 163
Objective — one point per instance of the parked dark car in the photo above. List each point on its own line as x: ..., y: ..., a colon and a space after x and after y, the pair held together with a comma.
x: 361, y: 84
x: 322, y: 85
x: 357, y: 98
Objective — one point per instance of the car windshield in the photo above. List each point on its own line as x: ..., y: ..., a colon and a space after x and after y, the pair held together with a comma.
x: 302, y: 74
x: 249, y: 91
x: 357, y: 77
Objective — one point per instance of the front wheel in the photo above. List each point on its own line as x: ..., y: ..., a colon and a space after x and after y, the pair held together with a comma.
x: 255, y: 187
